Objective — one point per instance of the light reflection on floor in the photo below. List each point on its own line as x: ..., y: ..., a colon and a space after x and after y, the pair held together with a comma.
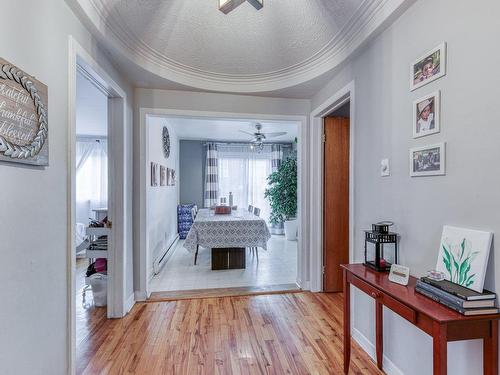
x: 277, y: 265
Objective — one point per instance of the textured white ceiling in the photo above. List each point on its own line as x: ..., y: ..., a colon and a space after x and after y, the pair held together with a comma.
x: 287, y: 49
x: 246, y: 41
x: 225, y: 130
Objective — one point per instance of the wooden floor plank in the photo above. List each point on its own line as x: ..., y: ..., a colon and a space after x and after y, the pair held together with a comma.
x: 297, y: 333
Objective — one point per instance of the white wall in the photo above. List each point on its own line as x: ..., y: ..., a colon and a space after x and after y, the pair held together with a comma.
x: 33, y: 217
x: 162, y: 200
x: 468, y: 195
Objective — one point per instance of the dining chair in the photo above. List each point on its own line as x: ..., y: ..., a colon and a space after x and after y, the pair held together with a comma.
x: 250, y: 208
x: 255, y: 250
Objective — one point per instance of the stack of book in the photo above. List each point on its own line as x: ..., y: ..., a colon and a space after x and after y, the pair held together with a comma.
x: 465, y: 301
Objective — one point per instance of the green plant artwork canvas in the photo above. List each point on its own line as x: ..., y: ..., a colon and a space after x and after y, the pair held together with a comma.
x: 463, y: 256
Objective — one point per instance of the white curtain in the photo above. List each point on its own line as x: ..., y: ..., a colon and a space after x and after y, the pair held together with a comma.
x: 244, y: 172
x: 91, y: 177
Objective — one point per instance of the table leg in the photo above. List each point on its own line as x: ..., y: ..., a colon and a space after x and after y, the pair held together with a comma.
x: 440, y: 357
x: 380, y: 333
x: 490, y: 350
x: 347, y: 323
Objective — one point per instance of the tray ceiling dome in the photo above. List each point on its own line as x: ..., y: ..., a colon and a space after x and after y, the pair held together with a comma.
x: 192, y: 43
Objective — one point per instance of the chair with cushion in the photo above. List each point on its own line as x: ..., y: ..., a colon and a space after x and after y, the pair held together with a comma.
x: 250, y: 208
x: 256, y: 211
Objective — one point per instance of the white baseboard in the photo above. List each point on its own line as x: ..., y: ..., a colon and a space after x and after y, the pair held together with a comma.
x: 304, y: 285
x: 130, y: 303
x: 140, y: 296
x: 389, y: 367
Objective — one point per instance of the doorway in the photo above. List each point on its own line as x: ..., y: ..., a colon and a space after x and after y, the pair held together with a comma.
x: 92, y: 229
x: 114, y: 99
x: 148, y: 116
x: 336, y: 197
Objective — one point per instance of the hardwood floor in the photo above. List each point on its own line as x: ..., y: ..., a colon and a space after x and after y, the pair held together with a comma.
x: 296, y: 333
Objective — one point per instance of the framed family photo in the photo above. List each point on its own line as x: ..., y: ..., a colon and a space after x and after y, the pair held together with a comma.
x: 428, y: 160
x: 428, y: 67
x: 426, y: 115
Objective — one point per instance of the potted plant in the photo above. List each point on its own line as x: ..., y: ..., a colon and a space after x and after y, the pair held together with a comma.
x: 282, y: 195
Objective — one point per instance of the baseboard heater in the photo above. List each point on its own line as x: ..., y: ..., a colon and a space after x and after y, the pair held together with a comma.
x: 162, y: 259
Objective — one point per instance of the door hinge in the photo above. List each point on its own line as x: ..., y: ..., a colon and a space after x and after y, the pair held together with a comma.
x: 324, y: 138
x: 323, y: 270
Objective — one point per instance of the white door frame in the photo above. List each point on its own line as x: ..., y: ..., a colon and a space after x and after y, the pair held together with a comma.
x: 79, y: 57
x: 142, y: 290
x: 346, y: 94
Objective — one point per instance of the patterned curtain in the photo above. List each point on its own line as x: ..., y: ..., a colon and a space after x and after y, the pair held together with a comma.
x: 276, y: 160
x: 211, y: 176
x: 276, y: 157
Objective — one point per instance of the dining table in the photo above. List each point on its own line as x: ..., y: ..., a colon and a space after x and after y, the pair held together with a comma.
x: 227, y: 235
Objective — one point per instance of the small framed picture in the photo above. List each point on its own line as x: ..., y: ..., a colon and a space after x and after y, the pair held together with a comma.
x: 168, y: 177
x: 172, y: 177
x: 428, y: 160
x: 428, y: 67
x: 154, y: 174
x: 163, y: 175
x: 427, y: 115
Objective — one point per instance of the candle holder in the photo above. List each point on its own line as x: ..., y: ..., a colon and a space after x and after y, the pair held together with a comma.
x: 381, y: 247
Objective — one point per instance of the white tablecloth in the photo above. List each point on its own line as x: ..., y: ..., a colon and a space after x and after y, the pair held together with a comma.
x: 239, y: 229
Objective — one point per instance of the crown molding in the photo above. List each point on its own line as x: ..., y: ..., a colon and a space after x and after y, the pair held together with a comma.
x: 369, y: 18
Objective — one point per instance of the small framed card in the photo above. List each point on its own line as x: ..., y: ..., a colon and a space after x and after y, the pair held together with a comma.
x: 399, y: 274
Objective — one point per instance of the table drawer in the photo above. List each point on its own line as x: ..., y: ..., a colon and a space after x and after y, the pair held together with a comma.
x: 391, y: 303
x: 365, y: 287
x: 399, y: 308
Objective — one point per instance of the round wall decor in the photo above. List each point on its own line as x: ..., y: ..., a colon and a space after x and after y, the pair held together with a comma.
x: 23, y: 116
x: 166, y: 142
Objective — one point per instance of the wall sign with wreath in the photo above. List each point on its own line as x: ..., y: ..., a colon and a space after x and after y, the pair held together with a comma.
x: 23, y: 117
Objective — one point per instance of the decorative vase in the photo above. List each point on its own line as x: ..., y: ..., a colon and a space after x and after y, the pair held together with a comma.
x: 291, y: 230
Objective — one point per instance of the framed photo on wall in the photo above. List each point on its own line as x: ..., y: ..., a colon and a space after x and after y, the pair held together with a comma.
x: 163, y: 175
x: 428, y: 67
x: 427, y: 115
x: 428, y: 160
x: 168, y: 176
x: 154, y: 174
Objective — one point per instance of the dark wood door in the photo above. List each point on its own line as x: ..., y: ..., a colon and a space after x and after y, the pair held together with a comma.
x: 336, y: 201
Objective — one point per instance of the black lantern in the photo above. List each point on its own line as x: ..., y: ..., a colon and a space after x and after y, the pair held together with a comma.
x: 381, y: 247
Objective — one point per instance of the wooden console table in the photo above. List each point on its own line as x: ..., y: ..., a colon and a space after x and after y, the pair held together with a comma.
x: 438, y: 321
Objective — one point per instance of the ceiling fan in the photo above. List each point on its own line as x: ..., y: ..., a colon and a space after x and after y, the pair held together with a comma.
x: 259, y: 138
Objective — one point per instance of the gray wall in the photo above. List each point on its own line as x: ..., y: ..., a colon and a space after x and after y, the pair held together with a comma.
x: 191, y: 172
x: 467, y: 196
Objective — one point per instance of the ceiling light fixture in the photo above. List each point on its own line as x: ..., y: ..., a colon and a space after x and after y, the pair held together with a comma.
x: 225, y: 6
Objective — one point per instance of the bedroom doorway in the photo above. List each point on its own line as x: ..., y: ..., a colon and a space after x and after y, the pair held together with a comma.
x: 96, y: 189
x: 92, y: 230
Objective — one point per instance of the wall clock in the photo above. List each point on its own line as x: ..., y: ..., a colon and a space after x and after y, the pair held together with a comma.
x: 166, y: 142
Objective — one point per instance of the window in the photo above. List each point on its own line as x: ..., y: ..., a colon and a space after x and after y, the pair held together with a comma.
x: 244, y: 172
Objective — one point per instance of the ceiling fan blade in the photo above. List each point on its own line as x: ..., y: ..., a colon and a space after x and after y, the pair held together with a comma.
x: 276, y: 134
x: 243, y: 131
